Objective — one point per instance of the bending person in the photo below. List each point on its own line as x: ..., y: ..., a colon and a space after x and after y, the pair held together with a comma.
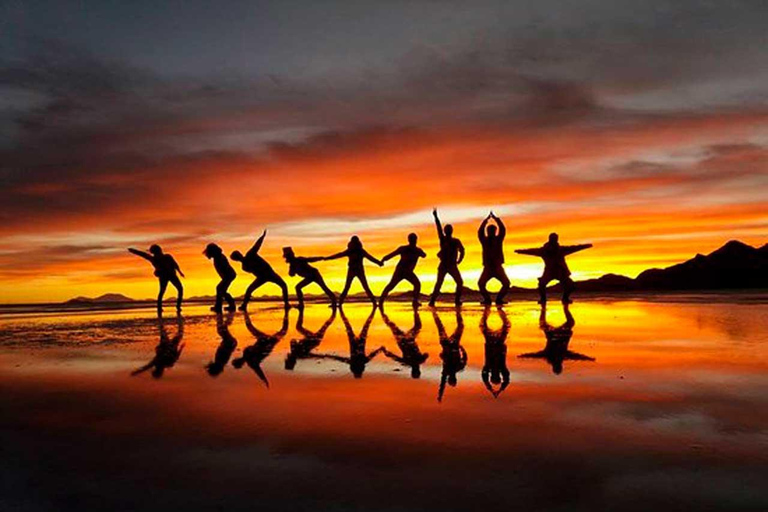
x: 227, y: 275
x: 255, y: 354
x: 300, y: 266
x: 493, y: 258
x: 450, y: 255
x: 555, y: 268
x: 258, y: 266
x: 167, y: 352
x: 409, y: 257
x: 355, y: 269
x: 165, y: 270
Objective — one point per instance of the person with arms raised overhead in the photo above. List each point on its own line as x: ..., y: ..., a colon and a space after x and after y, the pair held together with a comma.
x: 450, y: 255
x: 493, y: 258
x: 226, y: 273
x: 258, y: 266
x: 165, y: 270
x: 409, y: 256
x: 355, y: 254
x: 555, y: 268
x: 300, y: 266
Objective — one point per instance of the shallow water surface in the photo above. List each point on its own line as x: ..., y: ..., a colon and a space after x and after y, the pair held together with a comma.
x: 611, y: 405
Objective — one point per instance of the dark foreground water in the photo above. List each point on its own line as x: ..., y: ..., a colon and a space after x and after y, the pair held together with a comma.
x: 626, y: 405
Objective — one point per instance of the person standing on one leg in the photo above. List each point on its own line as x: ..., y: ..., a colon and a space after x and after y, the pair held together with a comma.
x: 300, y: 266
x: 226, y: 273
x: 258, y: 266
x: 451, y: 253
x: 555, y: 268
x: 355, y: 269
x: 165, y: 270
x: 493, y: 258
x: 409, y: 257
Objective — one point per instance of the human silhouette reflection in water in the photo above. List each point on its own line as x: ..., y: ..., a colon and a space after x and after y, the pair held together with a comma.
x: 357, y: 359
x: 355, y: 254
x: 492, y: 240
x: 167, y: 352
x: 450, y: 255
x: 166, y: 269
x: 300, y: 266
x: 495, y: 373
x: 411, y: 356
x: 253, y: 263
x: 253, y: 355
x: 555, y: 267
x: 226, y: 347
x: 302, y: 348
x: 556, y: 350
x: 409, y: 257
x: 453, y: 354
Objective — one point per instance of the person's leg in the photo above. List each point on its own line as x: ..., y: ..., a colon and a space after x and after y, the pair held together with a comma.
x: 396, y: 278
x: 321, y: 283
x: 481, y: 285
x: 438, y: 285
x: 163, y: 285
x: 347, y: 285
x: 366, y: 288
x: 221, y: 290
x: 567, y: 283
x: 411, y: 278
x: 249, y: 291
x: 501, y: 275
x: 284, y: 287
x: 543, y: 282
x: 179, y: 292
x: 299, y: 293
x: 227, y: 296
x: 456, y: 275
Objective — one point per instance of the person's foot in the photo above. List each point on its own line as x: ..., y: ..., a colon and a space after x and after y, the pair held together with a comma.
x: 243, y: 307
x: 215, y: 309
x: 432, y: 303
x: 416, y: 304
x: 231, y: 309
x: 485, y: 302
x: 543, y: 302
x: 567, y: 301
x: 500, y: 302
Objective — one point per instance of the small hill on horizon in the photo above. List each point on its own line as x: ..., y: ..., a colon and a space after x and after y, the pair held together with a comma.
x: 101, y: 299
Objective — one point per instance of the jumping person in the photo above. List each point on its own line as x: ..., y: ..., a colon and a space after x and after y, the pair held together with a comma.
x: 450, y: 255
x: 226, y: 273
x: 165, y: 270
x: 493, y: 258
x: 411, y: 356
x: 258, y: 266
x: 555, y: 268
x: 453, y: 354
x: 259, y: 351
x: 355, y: 254
x: 300, y: 266
x: 495, y: 373
x: 409, y: 256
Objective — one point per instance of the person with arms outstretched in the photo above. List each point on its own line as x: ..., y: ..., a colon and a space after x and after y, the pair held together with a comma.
x: 409, y: 257
x: 167, y: 352
x: 302, y: 348
x: 166, y: 269
x: 258, y: 266
x: 453, y: 354
x: 493, y: 258
x: 411, y: 356
x: 450, y: 255
x: 495, y: 373
x: 555, y: 268
x: 226, y: 273
x: 300, y: 266
x: 255, y: 354
x: 355, y: 253
x: 357, y: 359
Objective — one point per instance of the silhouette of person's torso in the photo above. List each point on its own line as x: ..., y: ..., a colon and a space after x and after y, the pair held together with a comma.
x: 165, y: 266
x: 554, y: 260
x: 223, y: 267
x: 449, y: 251
x: 409, y: 256
x: 493, y: 251
x: 300, y: 266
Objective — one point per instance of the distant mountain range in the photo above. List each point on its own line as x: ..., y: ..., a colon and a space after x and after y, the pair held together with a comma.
x: 735, y: 265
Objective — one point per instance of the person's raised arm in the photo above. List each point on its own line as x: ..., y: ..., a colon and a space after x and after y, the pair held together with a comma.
x: 141, y: 254
x: 481, y: 229
x: 502, y: 227
x: 257, y: 245
x: 437, y: 224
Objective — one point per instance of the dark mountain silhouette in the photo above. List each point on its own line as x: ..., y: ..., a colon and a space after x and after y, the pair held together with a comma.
x: 101, y: 299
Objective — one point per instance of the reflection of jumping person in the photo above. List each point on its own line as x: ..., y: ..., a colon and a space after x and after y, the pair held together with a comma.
x: 165, y: 270
x: 495, y: 373
x: 357, y: 359
x: 300, y: 266
x: 226, y: 273
x: 453, y: 355
x: 263, y: 271
x: 226, y: 348
x: 450, y: 255
x: 301, y: 349
x: 355, y: 254
x: 409, y: 256
x: 167, y: 352
x: 556, y: 350
x: 555, y: 268
x: 412, y: 356
x: 493, y: 258
x: 259, y: 351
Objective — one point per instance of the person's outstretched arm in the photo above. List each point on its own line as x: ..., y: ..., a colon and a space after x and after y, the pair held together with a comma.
x: 390, y: 255
x: 439, y: 226
x: 570, y: 249
x: 313, y: 259
x: 481, y: 229
x: 370, y: 258
x: 461, y: 252
x: 336, y: 256
x: 538, y: 251
x: 142, y: 254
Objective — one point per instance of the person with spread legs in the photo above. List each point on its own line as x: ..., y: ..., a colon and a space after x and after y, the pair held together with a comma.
x: 253, y: 263
x: 493, y: 258
x: 166, y: 269
x: 300, y: 266
x: 409, y: 257
x: 356, y: 254
x: 450, y: 255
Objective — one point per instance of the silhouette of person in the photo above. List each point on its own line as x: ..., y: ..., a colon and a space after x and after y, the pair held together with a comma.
x: 495, y: 373
x: 167, y: 352
x: 258, y: 266
x: 493, y: 258
x: 357, y: 359
x: 302, y: 348
x: 555, y: 268
x: 165, y: 270
x: 355, y: 254
x: 556, y: 350
x: 453, y: 355
x: 450, y: 255
x: 409, y: 257
x: 259, y: 351
x: 300, y: 266
x: 411, y: 356
x: 226, y: 348
x: 226, y: 273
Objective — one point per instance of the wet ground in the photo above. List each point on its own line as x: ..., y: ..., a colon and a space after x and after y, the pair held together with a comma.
x: 612, y: 405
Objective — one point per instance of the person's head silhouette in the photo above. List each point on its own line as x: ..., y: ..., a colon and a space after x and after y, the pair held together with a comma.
x: 236, y: 256
x: 452, y: 380
x: 415, y: 371
x: 413, y: 238
x: 214, y: 369
x: 155, y: 250
x: 553, y: 238
x: 557, y: 367
x: 491, y: 231
x: 288, y: 253
x: 212, y: 250
x: 354, y: 243
x: 448, y: 230
x: 357, y: 368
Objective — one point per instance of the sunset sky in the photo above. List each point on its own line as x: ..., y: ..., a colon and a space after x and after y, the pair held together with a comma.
x: 641, y: 127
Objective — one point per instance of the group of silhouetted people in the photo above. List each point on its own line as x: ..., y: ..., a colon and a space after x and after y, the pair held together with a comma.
x: 491, y: 234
